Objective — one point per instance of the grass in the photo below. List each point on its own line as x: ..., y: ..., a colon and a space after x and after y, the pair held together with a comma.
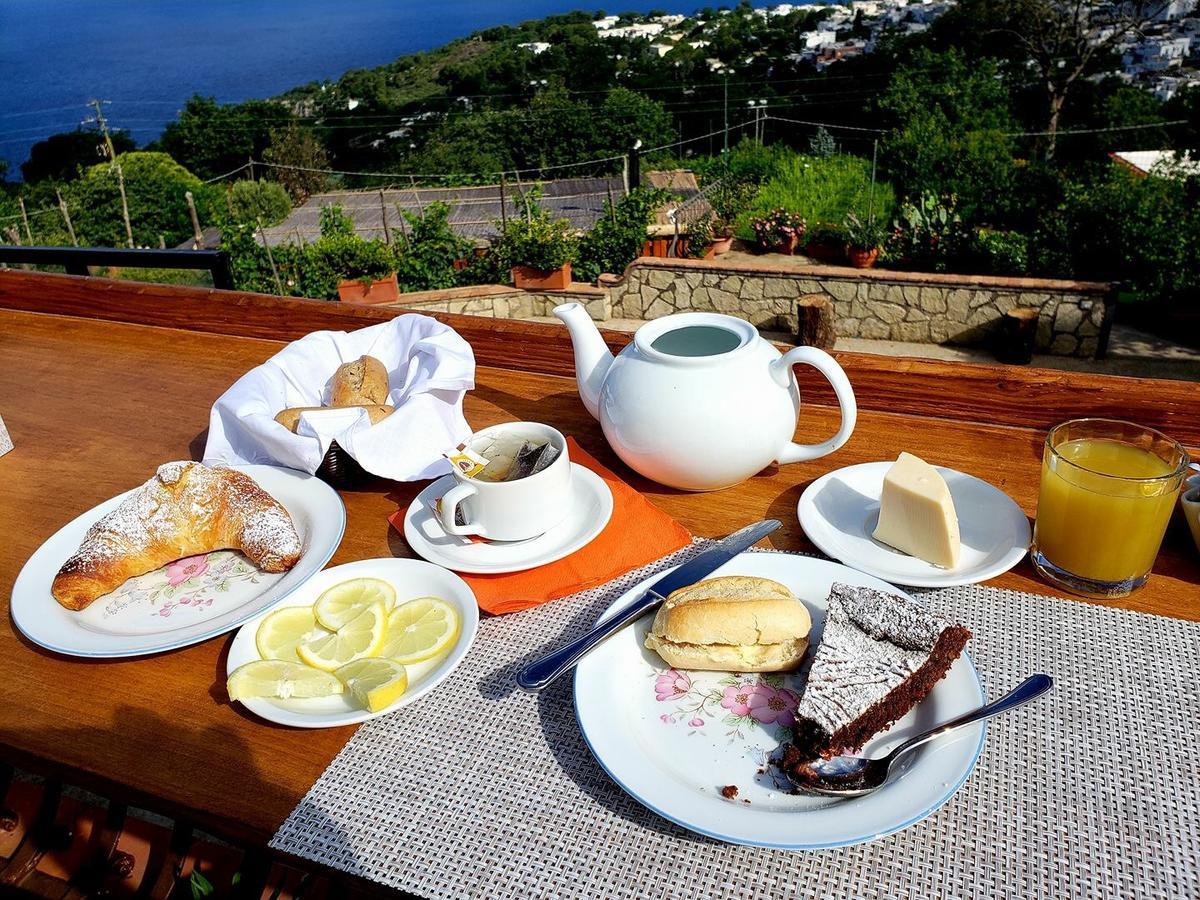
x: 822, y: 190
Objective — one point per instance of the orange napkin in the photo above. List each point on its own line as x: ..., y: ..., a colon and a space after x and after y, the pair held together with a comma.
x: 638, y: 533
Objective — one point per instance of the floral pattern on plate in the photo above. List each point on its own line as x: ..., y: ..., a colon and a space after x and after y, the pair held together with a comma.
x: 742, y: 703
x: 192, y: 583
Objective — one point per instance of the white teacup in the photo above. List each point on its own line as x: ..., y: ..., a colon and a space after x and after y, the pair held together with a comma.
x: 511, y: 510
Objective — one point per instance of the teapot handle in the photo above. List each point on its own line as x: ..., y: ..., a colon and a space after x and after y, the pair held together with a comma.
x: 781, y: 371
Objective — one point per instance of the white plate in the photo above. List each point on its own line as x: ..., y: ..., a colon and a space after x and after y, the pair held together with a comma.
x: 672, y: 740
x: 839, y: 512
x: 591, y: 511
x: 411, y: 578
x: 186, y: 601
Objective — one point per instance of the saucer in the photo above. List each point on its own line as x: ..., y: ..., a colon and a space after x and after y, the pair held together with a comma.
x: 839, y: 512
x: 590, y: 512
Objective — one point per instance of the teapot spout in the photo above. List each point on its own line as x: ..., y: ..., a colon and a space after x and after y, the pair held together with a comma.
x: 592, y: 356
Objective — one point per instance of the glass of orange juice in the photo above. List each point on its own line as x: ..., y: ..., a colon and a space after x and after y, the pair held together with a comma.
x: 1108, y: 489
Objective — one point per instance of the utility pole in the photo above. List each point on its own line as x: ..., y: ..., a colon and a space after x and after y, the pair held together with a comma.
x: 635, y: 165
x: 116, y: 164
x: 197, y: 234
x: 725, y: 78
x: 62, y: 207
x: 25, y: 219
x: 387, y: 232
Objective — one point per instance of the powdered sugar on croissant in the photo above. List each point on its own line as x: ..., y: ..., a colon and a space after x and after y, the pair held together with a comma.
x: 186, y: 509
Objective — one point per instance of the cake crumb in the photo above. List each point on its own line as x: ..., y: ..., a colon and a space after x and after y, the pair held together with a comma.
x: 729, y: 792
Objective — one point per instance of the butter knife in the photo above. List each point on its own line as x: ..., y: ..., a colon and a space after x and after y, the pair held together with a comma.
x: 539, y: 674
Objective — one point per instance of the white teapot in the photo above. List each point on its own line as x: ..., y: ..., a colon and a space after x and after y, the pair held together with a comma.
x: 700, y: 401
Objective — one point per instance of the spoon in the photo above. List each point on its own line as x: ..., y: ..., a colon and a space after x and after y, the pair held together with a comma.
x: 854, y: 776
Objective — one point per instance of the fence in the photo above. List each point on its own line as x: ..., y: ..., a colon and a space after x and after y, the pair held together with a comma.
x: 79, y: 260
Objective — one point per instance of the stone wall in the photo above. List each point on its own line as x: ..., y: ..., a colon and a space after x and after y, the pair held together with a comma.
x: 872, y: 303
x: 502, y: 302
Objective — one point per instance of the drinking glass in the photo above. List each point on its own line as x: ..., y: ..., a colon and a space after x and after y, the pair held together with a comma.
x: 1108, y: 490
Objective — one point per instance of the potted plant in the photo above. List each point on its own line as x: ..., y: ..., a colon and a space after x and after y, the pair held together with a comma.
x: 537, y: 249
x: 864, y: 240
x: 826, y: 243
x: 779, y: 231
x: 366, y: 269
x: 728, y: 198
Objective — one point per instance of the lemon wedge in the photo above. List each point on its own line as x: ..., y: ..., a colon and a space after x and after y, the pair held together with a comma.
x: 374, y: 683
x: 420, y: 629
x: 346, y: 600
x: 280, y: 679
x: 281, y: 631
x: 359, y: 637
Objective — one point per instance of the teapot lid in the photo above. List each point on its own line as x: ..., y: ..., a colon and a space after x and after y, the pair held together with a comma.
x: 695, y: 338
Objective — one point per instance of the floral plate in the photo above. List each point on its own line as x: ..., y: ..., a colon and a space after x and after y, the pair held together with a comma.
x: 675, y: 739
x: 186, y: 601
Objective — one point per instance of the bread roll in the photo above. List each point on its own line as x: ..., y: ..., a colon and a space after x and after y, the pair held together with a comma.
x: 290, y: 417
x: 363, y: 382
x: 732, y: 624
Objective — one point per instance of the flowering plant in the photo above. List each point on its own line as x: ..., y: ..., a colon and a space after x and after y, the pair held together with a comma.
x: 776, y: 227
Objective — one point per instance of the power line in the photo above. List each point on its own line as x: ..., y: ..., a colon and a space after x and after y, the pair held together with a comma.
x: 1063, y: 131
x: 827, y: 125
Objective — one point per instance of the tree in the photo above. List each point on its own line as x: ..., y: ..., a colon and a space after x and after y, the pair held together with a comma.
x: 211, y: 139
x: 60, y: 157
x: 255, y: 201
x: 298, y: 158
x: 951, y: 122
x: 155, y: 186
x: 1061, y: 40
x: 427, y: 250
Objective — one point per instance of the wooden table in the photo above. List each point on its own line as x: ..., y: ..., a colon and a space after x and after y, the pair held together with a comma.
x: 108, y: 380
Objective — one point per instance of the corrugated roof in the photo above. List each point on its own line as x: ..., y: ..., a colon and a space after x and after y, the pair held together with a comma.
x: 474, y: 211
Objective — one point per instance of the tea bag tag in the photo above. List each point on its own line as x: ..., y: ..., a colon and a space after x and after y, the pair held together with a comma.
x: 466, y: 461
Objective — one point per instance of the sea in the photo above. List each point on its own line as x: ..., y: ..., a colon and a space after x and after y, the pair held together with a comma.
x: 146, y: 57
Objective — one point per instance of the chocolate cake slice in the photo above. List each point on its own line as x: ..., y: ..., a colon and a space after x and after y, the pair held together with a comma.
x: 880, y: 655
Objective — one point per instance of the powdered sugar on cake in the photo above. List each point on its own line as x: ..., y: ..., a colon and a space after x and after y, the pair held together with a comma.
x: 871, y: 643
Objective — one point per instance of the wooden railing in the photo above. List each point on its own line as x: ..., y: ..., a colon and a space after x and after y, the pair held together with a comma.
x: 80, y: 260
x: 1004, y: 396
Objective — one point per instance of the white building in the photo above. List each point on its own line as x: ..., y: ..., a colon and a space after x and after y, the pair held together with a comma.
x: 645, y: 30
x: 537, y: 48
x: 605, y: 23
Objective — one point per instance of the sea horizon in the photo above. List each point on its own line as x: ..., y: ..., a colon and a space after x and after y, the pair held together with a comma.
x: 147, y: 57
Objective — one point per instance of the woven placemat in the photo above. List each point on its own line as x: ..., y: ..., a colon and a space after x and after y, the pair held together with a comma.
x: 480, y: 790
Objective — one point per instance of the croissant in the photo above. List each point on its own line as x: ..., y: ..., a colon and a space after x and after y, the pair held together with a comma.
x: 186, y: 509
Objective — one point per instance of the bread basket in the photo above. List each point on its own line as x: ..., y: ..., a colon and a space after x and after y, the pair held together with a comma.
x: 341, y: 470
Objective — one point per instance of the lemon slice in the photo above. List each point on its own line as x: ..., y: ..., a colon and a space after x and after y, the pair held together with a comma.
x: 359, y: 637
x: 342, y: 602
x: 283, y: 629
x: 280, y: 679
x: 420, y: 629
x: 374, y: 683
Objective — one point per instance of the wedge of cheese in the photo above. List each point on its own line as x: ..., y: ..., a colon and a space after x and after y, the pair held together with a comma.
x: 916, y: 513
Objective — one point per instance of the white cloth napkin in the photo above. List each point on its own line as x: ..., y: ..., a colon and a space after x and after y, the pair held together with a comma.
x: 430, y: 368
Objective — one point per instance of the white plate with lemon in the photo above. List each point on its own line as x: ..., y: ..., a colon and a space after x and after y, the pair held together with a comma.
x: 355, y: 642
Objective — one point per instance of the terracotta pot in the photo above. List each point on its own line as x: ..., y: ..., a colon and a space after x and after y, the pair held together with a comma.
x: 825, y: 251
x: 787, y: 244
x: 722, y: 245
x: 530, y: 279
x: 382, y: 290
x: 862, y: 259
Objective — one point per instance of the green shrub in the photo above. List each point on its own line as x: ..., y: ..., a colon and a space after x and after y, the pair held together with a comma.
x: 155, y: 188
x: 531, y: 238
x: 927, y: 235
x: 427, y: 250
x: 822, y: 190
x: 998, y: 253
x: 255, y: 200
x: 617, y: 237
